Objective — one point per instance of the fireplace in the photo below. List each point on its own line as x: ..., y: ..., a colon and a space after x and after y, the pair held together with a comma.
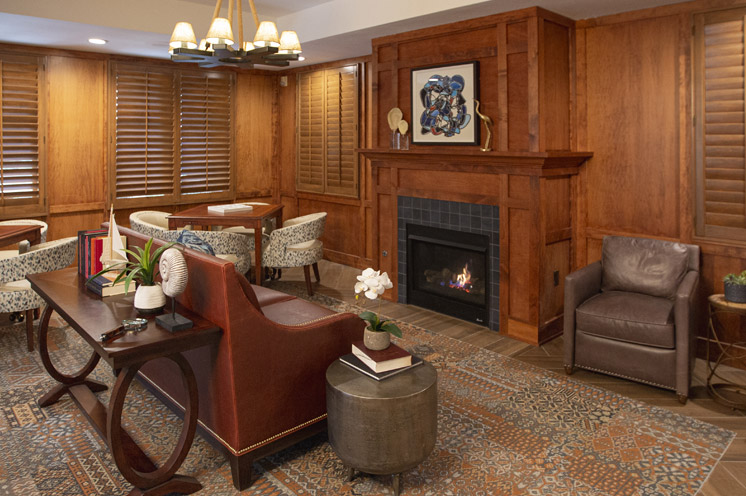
x: 441, y: 240
x: 448, y: 271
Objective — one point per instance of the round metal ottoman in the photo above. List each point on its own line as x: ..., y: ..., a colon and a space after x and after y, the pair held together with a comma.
x: 382, y: 427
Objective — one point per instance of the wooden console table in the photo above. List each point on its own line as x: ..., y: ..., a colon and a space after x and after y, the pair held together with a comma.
x: 253, y: 219
x: 64, y: 292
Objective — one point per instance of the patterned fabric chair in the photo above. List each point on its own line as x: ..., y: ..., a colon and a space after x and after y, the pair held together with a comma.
x: 23, y: 246
x: 233, y: 247
x: 16, y: 294
x: 296, y: 244
x: 269, y: 224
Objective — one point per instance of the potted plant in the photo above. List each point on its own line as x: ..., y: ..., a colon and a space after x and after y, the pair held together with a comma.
x: 141, y: 268
x: 377, y: 334
x: 735, y: 287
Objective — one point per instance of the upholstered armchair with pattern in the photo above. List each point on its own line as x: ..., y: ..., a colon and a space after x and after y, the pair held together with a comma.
x: 633, y: 314
x: 233, y: 247
x: 296, y: 244
x: 16, y: 294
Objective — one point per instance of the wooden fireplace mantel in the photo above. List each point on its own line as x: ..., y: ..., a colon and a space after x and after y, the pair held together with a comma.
x: 534, y: 193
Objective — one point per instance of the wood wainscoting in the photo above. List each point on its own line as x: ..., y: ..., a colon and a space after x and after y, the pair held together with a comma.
x: 534, y: 193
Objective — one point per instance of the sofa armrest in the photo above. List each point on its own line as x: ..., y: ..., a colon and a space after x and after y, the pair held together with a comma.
x: 685, y: 319
x: 579, y: 286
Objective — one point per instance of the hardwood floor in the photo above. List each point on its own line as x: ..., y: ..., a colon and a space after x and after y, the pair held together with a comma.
x: 727, y: 479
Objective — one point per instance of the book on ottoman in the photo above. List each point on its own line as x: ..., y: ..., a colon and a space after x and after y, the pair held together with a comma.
x: 391, y: 358
x: 353, y: 361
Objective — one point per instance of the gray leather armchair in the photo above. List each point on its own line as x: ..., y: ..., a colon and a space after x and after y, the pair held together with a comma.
x: 633, y: 313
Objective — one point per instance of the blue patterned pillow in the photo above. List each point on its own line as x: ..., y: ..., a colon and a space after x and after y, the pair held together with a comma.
x: 191, y: 240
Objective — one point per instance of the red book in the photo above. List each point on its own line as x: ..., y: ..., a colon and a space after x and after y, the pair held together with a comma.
x: 391, y: 358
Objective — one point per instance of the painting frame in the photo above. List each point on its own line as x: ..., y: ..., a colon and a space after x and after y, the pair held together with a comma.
x: 462, y: 125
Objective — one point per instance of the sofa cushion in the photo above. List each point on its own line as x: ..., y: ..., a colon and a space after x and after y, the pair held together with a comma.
x: 191, y: 240
x: 648, y: 266
x: 295, y: 312
x: 630, y: 317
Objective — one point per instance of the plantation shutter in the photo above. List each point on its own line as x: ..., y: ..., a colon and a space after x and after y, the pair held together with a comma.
x: 20, y: 133
x: 327, y: 131
x: 341, y: 131
x: 144, y: 148
x: 205, y: 132
x: 720, y: 133
x: 310, y: 172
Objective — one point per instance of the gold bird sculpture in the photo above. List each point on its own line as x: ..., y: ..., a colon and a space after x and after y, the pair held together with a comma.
x: 487, y: 124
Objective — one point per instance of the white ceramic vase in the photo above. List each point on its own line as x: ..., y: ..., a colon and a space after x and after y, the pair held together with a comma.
x: 376, y: 340
x: 149, y: 299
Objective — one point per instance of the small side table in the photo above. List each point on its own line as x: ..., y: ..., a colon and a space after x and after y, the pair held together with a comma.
x: 727, y: 392
x: 384, y: 427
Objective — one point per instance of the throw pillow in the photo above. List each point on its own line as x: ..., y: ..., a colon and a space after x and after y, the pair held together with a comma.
x: 191, y: 240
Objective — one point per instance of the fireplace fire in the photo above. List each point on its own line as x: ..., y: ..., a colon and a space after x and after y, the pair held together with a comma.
x: 448, y: 271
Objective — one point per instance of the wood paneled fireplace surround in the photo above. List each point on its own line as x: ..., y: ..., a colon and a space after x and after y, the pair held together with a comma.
x: 533, y: 191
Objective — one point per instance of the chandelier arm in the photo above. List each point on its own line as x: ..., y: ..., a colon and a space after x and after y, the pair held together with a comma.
x: 216, y: 12
x: 253, y: 12
x: 239, y: 8
x: 230, y: 13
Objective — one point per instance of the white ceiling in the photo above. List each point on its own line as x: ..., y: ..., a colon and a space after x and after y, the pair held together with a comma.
x: 328, y: 29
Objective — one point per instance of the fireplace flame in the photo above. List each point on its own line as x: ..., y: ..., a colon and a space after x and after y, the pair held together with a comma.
x: 463, y: 280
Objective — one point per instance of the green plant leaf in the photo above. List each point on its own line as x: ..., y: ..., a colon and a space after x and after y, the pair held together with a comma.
x: 371, y: 319
x: 391, y: 328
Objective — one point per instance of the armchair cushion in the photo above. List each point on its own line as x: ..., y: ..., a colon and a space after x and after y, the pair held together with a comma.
x: 191, y: 240
x: 646, y: 266
x: 630, y: 317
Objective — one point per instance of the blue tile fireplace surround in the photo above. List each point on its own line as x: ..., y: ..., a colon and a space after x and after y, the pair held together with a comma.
x: 459, y: 217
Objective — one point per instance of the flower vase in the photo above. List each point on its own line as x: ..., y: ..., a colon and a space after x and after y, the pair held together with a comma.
x: 149, y: 299
x: 376, y: 340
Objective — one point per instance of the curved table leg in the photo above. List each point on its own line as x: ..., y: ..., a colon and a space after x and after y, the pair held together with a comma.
x: 65, y: 381
x: 132, y: 463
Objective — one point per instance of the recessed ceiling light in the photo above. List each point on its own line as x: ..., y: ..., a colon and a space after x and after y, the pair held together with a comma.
x: 97, y: 41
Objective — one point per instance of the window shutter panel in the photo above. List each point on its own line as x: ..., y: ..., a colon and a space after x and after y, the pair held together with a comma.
x: 311, y: 136
x: 205, y: 132
x: 19, y: 134
x: 720, y: 132
x: 341, y: 128
x: 144, y: 149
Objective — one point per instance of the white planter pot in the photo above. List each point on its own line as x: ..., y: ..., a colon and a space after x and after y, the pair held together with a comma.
x: 149, y: 299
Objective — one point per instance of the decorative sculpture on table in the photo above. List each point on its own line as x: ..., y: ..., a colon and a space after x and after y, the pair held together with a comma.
x: 173, y: 269
x: 487, y: 124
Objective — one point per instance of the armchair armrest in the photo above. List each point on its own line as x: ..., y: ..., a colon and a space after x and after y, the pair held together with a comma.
x: 685, y: 319
x: 579, y: 286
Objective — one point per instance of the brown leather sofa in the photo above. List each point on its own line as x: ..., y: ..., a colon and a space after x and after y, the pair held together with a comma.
x: 262, y: 387
x: 633, y: 313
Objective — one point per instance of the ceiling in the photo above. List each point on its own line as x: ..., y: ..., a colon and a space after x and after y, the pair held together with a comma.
x: 328, y: 29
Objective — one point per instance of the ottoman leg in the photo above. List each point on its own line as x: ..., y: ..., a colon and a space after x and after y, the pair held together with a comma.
x: 397, y: 484
x: 350, y: 473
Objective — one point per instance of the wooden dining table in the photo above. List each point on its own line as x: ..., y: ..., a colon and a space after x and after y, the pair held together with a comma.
x: 252, y: 219
x: 11, y: 234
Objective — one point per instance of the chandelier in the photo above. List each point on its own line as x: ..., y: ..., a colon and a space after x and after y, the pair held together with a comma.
x: 216, y: 49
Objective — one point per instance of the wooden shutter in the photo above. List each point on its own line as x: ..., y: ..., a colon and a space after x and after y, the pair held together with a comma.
x: 720, y: 134
x: 310, y: 170
x: 327, y: 131
x: 20, y: 133
x: 144, y: 132
x: 205, y: 132
x: 341, y: 131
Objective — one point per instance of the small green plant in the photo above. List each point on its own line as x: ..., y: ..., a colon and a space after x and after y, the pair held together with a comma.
x: 739, y: 279
x: 142, y: 268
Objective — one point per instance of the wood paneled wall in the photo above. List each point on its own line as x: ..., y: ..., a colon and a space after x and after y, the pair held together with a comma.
x: 634, y: 111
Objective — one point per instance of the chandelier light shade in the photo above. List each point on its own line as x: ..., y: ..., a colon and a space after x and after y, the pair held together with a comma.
x: 266, y: 35
x: 183, y: 36
x: 216, y: 49
x: 289, y: 42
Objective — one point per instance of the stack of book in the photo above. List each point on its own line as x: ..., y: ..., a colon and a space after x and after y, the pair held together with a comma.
x: 379, y: 364
x: 103, y: 285
x: 232, y: 208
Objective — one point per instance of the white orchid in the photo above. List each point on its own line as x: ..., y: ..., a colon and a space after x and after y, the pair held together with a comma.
x: 372, y: 284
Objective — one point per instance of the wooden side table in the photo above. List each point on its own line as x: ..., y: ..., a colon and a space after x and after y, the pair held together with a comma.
x: 727, y: 392
x: 384, y: 427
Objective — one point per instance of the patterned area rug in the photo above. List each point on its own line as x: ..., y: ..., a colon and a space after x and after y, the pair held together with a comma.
x: 504, y: 428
